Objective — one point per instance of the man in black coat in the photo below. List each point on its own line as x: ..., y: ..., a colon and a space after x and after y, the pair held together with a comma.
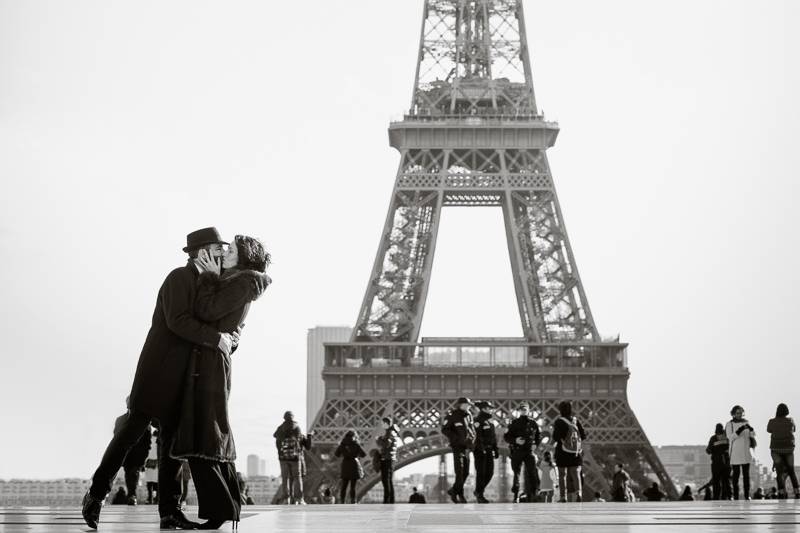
x: 523, y: 436
x: 460, y: 432
x: 158, y: 384
x: 486, y: 450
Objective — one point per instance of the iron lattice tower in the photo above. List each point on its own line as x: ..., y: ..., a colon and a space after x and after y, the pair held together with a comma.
x: 473, y: 136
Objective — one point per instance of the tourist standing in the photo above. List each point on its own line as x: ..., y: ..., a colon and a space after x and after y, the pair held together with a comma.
x: 687, y: 494
x: 387, y: 446
x: 568, y: 434
x: 351, y: 451
x: 486, y: 450
x: 523, y: 436
x: 459, y: 429
x: 290, y: 442
x: 719, y: 450
x: 151, y: 469
x: 416, y: 496
x: 742, y: 437
x: 781, y: 447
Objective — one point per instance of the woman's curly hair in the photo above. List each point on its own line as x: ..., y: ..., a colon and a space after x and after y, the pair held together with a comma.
x: 252, y: 254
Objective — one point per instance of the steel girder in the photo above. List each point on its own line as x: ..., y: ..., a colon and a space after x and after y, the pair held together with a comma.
x: 614, y: 435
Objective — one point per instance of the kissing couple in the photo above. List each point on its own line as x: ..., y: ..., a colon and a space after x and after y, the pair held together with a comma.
x: 183, y: 380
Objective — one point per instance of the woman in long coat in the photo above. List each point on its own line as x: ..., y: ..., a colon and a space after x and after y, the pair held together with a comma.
x: 350, y: 450
x: 204, y: 434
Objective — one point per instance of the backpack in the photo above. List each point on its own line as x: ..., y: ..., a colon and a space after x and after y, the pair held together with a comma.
x: 571, y: 443
x: 290, y: 447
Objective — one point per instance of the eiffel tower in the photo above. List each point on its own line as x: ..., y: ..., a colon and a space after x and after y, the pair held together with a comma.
x: 473, y: 136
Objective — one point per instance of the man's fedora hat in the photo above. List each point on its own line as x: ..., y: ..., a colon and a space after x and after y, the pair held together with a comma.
x: 463, y: 400
x: 203, y: 237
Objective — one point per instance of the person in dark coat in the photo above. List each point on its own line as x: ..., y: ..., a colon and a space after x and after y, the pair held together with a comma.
x: 720, y: 464
x: 620, y: 484
x: 416, y: 496
x: 133, y: 463
x: 290, y: 442
x: 568, y: 434
x: 654, y: 493
x: 158, y: 383
x: 523, y: 437
x: 350, y: 450
x: 781, y: 447
x: 486, y: 450
x: 459, y: 429
x: 387, y: 446
x: 204, y: 435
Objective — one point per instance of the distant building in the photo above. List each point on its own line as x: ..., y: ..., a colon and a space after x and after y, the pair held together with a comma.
x: 262, y: 488
x: 686, y: 464
x: 262, y: 467
x: 253, y: 465
x: 691, y: 465
x: 315, y: 387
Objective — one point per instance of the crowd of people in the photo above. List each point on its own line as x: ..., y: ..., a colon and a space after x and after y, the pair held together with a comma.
x: 540, y: 470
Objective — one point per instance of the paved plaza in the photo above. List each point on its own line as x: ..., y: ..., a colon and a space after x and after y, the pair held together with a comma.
x: 768, y: 515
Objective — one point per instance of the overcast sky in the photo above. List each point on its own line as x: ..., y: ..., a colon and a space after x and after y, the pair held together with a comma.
x: 126, y: 125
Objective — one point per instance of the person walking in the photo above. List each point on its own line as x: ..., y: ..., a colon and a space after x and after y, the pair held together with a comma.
x: 719, y: 450
x: 523, y: 436
x: 741, y: 436
x: 547, y: 479
x: 568, y: 434
x: 290, y: 442
x: 459, y: 429
x: 781, y: 447
x: 351, y: 451
x: 157, y: 385
x: 620, y: 484
x: 387, y: 451
x: 486, y: 450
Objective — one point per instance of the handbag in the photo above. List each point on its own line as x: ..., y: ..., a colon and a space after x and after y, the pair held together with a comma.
x: 753, y: 442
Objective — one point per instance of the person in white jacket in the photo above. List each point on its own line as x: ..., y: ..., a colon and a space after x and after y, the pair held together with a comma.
x: 741, y: 437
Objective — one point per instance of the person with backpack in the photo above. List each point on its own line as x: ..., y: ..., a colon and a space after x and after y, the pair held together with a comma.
x: 486, y: 450
x: 741, y: 437
x: 718, y: 449
x: 350, y: 451
x: 387, y: 451
x: 459, y: 429
x: 523, y: 436
x: 290, y: 442
x: 568, y: 434
x: 781, y: 447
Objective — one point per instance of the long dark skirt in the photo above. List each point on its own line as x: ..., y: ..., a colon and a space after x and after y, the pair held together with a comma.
x: 217, y: 488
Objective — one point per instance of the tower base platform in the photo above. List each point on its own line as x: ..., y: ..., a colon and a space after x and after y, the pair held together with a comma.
x: 766, y: 515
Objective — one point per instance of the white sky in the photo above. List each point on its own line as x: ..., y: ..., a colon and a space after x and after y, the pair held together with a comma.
x: 125, y: 125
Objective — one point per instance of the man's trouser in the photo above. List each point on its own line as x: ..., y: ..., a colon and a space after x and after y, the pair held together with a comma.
x: 461, y: 468
x: 569, y: 482
x: 169, y: 488
x: 387, y: 472
x: 721, y: 481
x: 531, y: 476
x: 484, y: 470
x: 292, y: 481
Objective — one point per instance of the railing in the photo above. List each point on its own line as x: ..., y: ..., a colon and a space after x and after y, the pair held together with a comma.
x: 475, y: 354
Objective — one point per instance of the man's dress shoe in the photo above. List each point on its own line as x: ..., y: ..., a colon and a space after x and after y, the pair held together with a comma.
x: 90, y: 509
x: 177, y: 522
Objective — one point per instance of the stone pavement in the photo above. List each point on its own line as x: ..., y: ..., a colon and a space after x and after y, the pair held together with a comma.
x: 766, y: 515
